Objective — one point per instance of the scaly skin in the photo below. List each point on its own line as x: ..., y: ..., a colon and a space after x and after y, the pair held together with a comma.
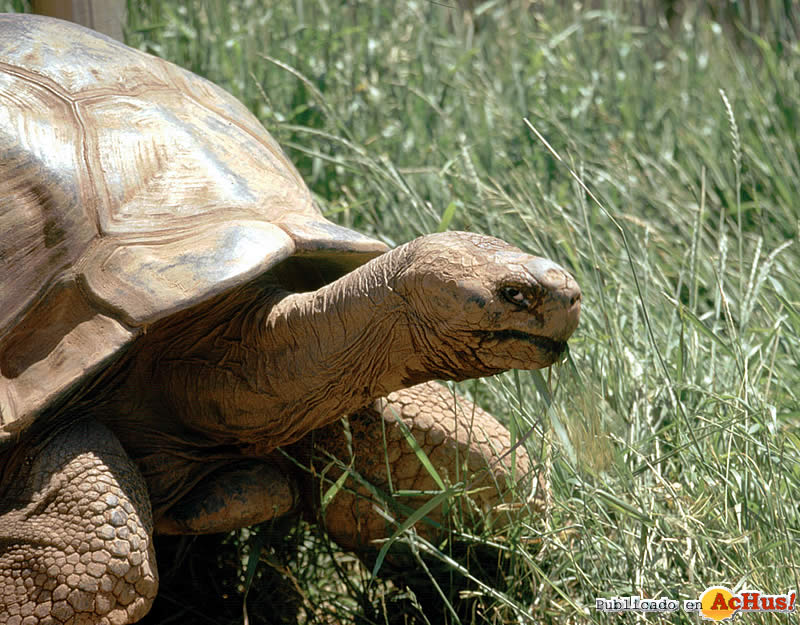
x: 463, y: 442
x: 76, y: 535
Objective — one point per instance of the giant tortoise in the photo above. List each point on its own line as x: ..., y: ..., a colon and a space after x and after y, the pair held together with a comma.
x: 175, y: 310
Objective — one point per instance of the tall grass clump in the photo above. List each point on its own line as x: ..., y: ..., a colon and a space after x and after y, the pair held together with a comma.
x: 666, y: 177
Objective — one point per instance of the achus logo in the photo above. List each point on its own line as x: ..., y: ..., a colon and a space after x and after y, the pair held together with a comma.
x: 718, y: 603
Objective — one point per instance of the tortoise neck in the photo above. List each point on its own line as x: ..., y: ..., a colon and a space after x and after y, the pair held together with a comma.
x: 266, y: 367
x: 330, y: 352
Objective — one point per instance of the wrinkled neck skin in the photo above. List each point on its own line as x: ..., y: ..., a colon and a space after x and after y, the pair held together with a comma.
x: 329, y: 352
x: 297, y: 361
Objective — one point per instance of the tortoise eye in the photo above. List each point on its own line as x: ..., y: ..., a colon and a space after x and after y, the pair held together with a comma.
x: 513, y: 295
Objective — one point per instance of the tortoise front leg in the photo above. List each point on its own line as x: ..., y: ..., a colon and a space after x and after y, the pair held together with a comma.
x: 463, y: 443
x: 76, y: 534
x: 243, y: 493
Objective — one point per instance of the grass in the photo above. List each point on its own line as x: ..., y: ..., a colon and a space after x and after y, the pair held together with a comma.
x: 671, y: 434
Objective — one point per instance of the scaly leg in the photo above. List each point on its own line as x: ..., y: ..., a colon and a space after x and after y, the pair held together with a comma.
x: 76, y: 534
x: 463, y: 443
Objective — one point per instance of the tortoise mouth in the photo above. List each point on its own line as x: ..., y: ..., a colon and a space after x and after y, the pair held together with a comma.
x: 544, y: 343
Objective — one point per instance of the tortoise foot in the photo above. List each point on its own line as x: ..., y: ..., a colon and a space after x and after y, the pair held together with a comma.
x: 245, y: 493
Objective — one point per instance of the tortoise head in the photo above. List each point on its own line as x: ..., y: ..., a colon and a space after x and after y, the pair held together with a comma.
x: 485, y: 305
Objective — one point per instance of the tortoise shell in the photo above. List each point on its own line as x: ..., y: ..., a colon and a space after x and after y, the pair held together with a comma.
x: 130, y: 189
